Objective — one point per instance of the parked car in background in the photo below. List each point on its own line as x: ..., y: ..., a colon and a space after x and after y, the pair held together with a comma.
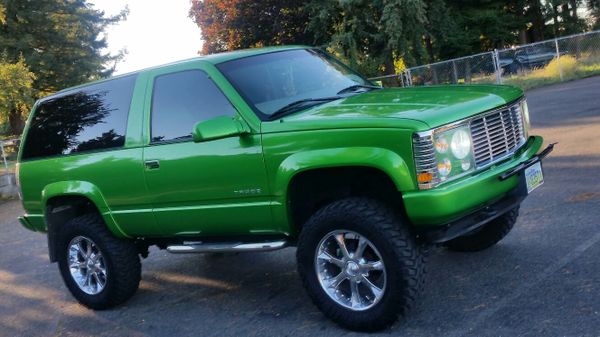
x: 528, y: 58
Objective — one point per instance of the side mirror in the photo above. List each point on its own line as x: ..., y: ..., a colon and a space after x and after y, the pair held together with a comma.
x: 219, y: 127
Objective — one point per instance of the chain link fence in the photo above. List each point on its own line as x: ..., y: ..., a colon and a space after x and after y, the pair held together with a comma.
x: 8, y: 154
x: 526, y: 66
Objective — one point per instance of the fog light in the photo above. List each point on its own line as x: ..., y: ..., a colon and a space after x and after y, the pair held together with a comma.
x: 444, y: 168
x: 465, y: 165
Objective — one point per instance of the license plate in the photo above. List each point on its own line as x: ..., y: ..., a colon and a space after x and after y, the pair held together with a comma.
x: 534, y: 177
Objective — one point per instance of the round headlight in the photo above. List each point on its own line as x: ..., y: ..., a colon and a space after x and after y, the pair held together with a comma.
x: 441, y: 145
x: 460, y: 144
x: 444, y: 168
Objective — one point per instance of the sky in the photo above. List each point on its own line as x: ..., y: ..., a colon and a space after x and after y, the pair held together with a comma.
x: 155, y: 32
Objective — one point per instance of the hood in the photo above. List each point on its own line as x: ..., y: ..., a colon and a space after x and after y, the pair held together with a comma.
x: 415, y: 107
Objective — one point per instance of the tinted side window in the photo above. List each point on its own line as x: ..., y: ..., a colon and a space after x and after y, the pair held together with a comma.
x: 91, y: 118
x: 183, y: 99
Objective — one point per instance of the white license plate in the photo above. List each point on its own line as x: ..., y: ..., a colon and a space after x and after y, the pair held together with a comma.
x: 534, y: 177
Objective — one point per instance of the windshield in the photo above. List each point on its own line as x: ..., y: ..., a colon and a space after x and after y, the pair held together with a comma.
x: 272, y: 81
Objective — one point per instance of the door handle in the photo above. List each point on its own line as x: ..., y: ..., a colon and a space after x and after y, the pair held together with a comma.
x: 152, y: 164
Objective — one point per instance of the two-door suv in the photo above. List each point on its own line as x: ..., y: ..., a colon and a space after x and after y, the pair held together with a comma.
x: 261, y: 149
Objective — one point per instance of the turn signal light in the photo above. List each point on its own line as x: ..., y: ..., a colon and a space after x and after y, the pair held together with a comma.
x: 424, y: 177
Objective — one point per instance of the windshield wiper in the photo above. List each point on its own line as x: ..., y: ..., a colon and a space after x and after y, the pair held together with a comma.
x: 297, y: 105
x: 353, y: 88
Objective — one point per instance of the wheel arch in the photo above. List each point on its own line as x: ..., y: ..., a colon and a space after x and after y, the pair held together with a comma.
x: 65, y: 200
x: 337, y: 167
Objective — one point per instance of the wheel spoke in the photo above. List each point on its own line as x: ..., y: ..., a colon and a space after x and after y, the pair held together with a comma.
x: 375, y: 265
x: 97, y: 281
x: 88, y: 252
x: 355, y: 296
x: 360, y: 249
x: 88, y: 279
x: 327, y: 257
x: 335, y: 282
x: 375, y: 290
x: 339, y: 238
x: 77, y: 264
x: 80, y: 249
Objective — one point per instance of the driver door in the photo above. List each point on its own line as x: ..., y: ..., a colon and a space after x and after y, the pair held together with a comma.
x: 213, y: 188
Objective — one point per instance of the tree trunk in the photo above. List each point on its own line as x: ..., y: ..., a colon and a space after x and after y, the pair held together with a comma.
x: 429, y: 47
x: 390, y: 69
x: 555, y: 19
x: 15, y: 122
x: 537, y: 21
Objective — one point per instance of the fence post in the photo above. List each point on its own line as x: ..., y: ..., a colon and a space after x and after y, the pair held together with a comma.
x: 454, y: 72
x: 408, y: 78
x: 5, y: 162
x: 496, y: 61
x: 560, y: 72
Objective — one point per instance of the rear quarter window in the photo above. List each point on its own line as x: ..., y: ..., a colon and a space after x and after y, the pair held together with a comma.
x: 88, y: 119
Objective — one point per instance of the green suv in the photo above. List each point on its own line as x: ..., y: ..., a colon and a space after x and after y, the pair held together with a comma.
x: 261, y: 149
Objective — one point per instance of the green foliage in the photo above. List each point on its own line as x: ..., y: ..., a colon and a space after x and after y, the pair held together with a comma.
x: 236, y: 24
x: 48, y: 45
x: 61, y: 41
x: 374, y: 35
x: 17, y: 94
x: 2, y: 14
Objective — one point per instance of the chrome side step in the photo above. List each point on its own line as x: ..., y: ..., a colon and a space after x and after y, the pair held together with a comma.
x: 226, y: 247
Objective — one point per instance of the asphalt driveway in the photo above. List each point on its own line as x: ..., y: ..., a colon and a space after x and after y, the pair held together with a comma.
x: 542, y: 280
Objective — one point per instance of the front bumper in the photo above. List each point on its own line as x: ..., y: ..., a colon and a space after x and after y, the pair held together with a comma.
x: 482, y: 216
x: 454, y: 201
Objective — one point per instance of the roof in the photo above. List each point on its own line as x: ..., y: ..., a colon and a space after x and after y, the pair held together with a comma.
x: 212, y: 58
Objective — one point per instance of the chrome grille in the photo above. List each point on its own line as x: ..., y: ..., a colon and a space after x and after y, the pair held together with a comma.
x: 497, y: 134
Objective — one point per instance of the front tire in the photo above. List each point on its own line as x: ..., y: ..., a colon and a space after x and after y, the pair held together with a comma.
x: 359, y: 264
x: 100, y: 270
x: 487, y: 236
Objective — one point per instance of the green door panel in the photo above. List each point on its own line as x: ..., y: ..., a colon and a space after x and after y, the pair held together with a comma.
x: 214, y: 187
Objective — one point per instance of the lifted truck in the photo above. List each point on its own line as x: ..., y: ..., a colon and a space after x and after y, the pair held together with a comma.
x: 261, y: 149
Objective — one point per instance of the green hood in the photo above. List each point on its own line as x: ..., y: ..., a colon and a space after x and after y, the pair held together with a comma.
x: 417, y: 108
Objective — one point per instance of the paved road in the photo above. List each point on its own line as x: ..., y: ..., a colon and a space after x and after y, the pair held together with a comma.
x: 542, y: 280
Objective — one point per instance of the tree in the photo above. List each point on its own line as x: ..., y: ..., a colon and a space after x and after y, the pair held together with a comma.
x: 594, y: 8
x: 17, y: 94
x: 61, y: 41
x: 370, y: 35
x: 235, y: 24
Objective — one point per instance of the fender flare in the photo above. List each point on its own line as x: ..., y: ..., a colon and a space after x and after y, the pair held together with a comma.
x: 384, y: 160
x: 87, y: 190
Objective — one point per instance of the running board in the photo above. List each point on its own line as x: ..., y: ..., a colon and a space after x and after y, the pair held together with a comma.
x: 226, y: 247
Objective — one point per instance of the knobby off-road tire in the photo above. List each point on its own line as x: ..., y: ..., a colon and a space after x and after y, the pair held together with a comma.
x: 487, y: 236
x: 388, y: 241
x: 119, y: 258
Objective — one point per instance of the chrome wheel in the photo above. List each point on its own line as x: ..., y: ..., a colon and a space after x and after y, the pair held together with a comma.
x: 350, y: 270
x: 87, y: 265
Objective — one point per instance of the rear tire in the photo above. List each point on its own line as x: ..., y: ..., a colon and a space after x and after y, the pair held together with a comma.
x: 487, y: 236
x: 100, y: 270
x: 387, y: 274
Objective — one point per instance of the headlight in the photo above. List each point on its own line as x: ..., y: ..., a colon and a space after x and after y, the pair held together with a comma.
x: 459, y: 160
x: 443, y: 154
x: 460, y: 144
